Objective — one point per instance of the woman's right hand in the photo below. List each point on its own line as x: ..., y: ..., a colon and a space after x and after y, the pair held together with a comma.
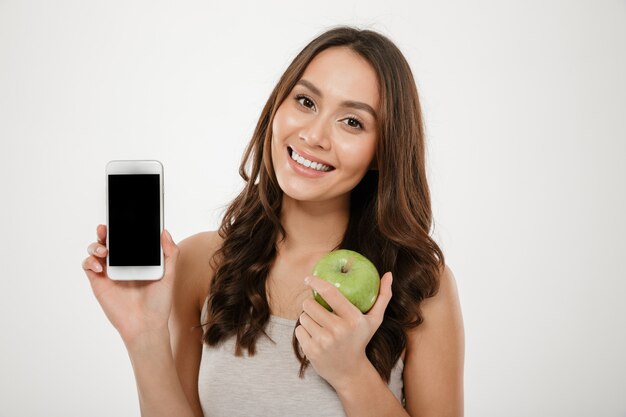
x: 134, y: 308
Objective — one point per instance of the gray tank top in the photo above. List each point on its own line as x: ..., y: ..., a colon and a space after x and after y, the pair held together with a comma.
x: 267, y: 384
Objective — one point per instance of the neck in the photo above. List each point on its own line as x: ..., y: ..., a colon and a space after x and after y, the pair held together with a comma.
x: 314, y: 226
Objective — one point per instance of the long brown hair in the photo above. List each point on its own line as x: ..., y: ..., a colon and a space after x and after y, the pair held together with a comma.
x: 390, y: 211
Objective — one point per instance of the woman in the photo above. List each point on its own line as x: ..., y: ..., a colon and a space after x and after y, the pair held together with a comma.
x: 336, y: 161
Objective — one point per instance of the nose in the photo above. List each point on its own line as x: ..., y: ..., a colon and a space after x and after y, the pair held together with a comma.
x: 316, y: 133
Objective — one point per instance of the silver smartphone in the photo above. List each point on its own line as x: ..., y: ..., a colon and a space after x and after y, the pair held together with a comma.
x: 134, y: 220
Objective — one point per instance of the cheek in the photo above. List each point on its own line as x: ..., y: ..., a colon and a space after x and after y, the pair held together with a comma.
x: 286, y: 122
x: 276, y: 123
x: 358, y: 158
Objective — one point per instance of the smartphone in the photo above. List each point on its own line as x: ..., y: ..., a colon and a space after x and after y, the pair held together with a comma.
x: 134, y: 220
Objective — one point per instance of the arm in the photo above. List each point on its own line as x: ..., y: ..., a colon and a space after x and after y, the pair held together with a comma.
x: 140, y: 312
x: 171, y: 389
x: 433, y: 371
x: 158, y: 385
x: 189, y: 298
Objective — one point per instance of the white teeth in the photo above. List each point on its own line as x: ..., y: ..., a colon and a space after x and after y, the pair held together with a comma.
x: 305, y: 162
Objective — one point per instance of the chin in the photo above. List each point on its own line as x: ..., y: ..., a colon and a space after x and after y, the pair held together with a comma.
x: 299, y: 195
x: 308, y: 196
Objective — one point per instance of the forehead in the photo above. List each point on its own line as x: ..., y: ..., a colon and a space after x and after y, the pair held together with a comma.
x: 342, y: 74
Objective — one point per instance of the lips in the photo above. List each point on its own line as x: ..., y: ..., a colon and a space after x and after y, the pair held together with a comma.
x: 308, y: 161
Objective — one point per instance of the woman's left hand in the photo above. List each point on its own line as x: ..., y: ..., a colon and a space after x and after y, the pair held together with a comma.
x: 335, y: 342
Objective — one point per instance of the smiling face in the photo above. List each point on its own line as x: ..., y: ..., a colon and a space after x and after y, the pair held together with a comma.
x: 328, y: 123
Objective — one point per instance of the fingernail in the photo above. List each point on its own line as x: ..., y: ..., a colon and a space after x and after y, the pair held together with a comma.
x: 98, y: 268
x: 100, y: 250
x: 169, y: 237
x: 307, y: 279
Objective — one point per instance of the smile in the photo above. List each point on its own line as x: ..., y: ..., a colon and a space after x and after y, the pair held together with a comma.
x: 308, y: 164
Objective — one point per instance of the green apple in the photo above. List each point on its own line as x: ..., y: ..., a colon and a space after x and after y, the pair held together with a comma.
x: 354, y: 276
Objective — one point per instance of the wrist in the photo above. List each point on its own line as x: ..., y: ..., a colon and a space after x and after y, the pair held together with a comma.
x: 148, y: 340
x: 363, y: 372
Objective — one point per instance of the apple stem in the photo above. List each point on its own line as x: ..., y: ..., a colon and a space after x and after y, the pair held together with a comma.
x: 347, y: 266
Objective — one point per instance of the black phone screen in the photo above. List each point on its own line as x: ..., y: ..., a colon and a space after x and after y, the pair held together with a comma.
x: 134, y: 220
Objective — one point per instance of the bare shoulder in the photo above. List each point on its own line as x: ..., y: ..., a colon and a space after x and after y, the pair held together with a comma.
x: 201, y: 244
x: 445, y: 304
x: 194, y: 268
x: 435, y: 356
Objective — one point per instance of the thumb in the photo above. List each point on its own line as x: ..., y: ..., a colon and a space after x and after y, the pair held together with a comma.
x: 384, y: 296
x: 170, y: 252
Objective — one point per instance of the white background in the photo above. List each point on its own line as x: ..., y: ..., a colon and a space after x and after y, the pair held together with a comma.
x: 525, y: 108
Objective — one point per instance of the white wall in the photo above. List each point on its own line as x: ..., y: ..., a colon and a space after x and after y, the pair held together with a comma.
x: 525, y: 106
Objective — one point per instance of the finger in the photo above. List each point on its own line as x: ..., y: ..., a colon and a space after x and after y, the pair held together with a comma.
x: 310, y: 325
x: 318, y: 313
x: 335, y: 299
x: 91, y: 264
x: 96, y: 249
x: 170, y: 249
x: 101, y: 233
x: 384, y: 296
x: 304, y: 338
x: 98, y: 280
x: 170, y: 252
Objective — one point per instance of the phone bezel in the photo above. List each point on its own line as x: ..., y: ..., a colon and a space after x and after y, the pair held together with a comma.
x: 130, y: 167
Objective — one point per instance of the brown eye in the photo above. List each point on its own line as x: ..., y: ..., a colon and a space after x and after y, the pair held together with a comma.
x: 353, y: 123
x: 305, y: 101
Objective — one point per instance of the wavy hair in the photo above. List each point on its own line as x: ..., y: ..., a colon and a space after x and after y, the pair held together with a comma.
x: 390, y: 212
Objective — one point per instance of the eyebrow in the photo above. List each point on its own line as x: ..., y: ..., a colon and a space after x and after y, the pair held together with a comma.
x: 346, y: 103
